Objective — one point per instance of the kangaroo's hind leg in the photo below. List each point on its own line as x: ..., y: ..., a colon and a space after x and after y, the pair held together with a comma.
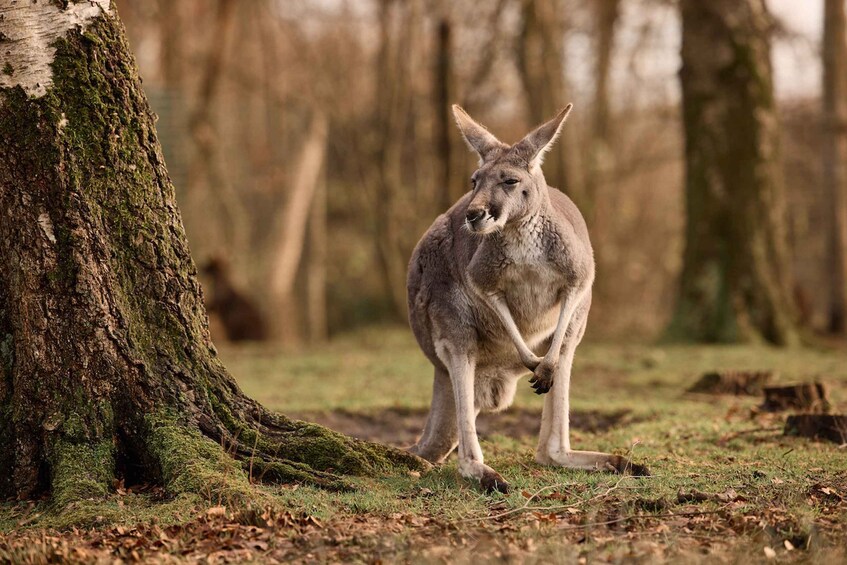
x: 461, y: 364
x: 440, y: 435
x: 554, y: 446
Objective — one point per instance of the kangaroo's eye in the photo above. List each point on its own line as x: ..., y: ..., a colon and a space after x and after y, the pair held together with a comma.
x: 511, y: 182
x: 473, y: 183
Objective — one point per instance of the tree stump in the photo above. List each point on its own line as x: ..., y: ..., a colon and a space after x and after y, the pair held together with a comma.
x: 832, y: 427
x: 808, y: 397
x: 732, y: 382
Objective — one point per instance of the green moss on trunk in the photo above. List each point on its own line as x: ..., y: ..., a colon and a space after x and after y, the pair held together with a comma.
x: 81, y: 471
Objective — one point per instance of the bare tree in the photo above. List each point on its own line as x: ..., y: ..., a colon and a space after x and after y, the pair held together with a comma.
x: 444, y: 93
x: 605, y: 14
x: 735, y: 278
x: 207, y: 182
x: 835, y: 157
x: 290, y: 229
x: 540, y: 57
x: 394, y: 98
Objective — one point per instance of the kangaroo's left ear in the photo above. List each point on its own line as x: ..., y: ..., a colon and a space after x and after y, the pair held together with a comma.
x: 538, y: 142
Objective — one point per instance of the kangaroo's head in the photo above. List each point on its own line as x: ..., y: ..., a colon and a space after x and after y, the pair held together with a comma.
x: 508, y: 185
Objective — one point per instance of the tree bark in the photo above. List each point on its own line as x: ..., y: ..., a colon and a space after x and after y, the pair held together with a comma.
x: 735, y: 278
x: 835, y: 157
x: 106, y: 365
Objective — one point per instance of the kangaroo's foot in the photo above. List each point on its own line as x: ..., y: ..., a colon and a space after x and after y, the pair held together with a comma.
x: 434, y: 452
x: 592, y: 461
x: 490, y: 480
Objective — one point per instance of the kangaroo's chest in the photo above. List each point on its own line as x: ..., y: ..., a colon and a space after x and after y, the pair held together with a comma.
x: 531, y: 287
x: 521, y: 268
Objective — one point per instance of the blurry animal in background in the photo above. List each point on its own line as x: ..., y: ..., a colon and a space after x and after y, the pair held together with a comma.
x: 501, y: 284
x: 239, y: 316
x: 804, y: 304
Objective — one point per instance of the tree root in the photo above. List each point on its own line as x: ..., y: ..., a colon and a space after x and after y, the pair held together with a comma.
x: 191, y: 463
x: 282, y: 471
x: 81, y: 471
x: 223, y: 460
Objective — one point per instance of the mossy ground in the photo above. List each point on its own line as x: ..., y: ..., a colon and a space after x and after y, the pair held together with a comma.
x: 762, y: 488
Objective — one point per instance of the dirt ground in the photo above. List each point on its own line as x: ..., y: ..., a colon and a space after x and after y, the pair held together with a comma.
x: 401, y: 427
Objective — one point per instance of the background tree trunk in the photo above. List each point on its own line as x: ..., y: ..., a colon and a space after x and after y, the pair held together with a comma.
x: 734, y: 281
x: 600, y: 159
x: 106, y: 366
x: 835, y: 157
x: 316, y: 254
x: 540, y: 57
x: 394, y: 101
x: 291, y: 230
x: 444, y: 94
x: 207, y: 183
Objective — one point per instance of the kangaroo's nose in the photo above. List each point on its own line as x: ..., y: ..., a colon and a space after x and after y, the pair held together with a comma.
x: 474, y: 215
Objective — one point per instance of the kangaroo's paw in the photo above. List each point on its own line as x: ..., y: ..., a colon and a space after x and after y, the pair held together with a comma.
x: 623, y: 466
x: 591, y: 461
x: 542, y: 378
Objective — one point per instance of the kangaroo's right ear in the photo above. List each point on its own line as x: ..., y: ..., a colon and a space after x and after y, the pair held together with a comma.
x: 539, y: 141
x: 476, y: 136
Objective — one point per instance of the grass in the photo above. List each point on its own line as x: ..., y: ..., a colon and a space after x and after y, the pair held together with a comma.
x: 753, y: 488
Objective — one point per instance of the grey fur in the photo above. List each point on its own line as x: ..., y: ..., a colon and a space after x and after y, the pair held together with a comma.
x: 501, y: 284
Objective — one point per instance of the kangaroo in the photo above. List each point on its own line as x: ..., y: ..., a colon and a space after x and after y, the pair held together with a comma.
x: 498, y: 285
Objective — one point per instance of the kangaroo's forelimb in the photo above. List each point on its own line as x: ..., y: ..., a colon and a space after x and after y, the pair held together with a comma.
x: 543, y: 374
x: 529, y: 359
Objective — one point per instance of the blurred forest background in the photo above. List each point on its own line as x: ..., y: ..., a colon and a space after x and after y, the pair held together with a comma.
x: 311, y: 144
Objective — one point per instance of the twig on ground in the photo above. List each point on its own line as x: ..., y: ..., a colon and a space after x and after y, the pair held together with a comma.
x: 638, y: 516
x: 527, y: 508
x: 732, y: 435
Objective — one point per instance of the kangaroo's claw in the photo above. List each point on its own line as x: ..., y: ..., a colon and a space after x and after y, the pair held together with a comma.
x: 492, y: 482
x: 542, y: 379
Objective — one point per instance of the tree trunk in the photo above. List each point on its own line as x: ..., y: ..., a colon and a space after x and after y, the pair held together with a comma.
x: 540, y: 57
x: 600, y: 156
x: 443, y: 95
x: 835, y: 157
x: 316, y: 266
x: 290, y: 231
x: 393, y: 110
x: 735, y: 279
x: 173, y: 54
x: 207, y: 181
x: 106, y: 366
